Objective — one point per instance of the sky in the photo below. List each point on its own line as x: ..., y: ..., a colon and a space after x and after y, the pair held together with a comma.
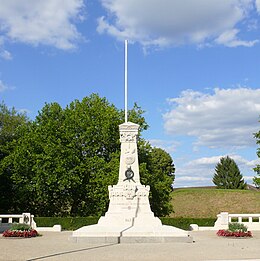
x: 193, y: 66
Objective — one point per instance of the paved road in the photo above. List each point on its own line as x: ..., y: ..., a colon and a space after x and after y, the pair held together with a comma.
x: 56, y: 246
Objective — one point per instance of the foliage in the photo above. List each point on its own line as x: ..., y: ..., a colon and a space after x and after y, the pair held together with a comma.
x: 157, y: 170
x: 237, y: 227
x: 20, y: 230
x: 10, y: 123
x: 227, y: 175
x: 256, y: 179
x: 73, y: 223
x: 184, y: 223
x: 19, y: 226
x: 67, y: 223
x: 63, y: 162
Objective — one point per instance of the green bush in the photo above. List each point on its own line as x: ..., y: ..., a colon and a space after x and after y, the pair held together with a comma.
x: 237, y: 227
x: 21, y: 227
x: 67, y: 223
x: 184, y: 223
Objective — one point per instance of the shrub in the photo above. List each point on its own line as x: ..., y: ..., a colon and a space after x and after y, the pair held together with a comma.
x: 67, y: 223
x: 21, y: 227
x: 73, y: 223
x: 235, y: 230
x: 237, y: 227
x: 20, y: 230
x: 184, y: 223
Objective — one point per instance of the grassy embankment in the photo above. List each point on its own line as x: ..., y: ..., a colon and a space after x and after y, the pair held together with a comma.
x: 208, y: 202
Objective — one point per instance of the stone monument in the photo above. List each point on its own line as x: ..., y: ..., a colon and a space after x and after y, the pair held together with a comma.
x: 129, y: 217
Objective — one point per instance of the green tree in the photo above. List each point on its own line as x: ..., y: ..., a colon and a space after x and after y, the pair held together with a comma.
x: 256, y: 179
x: 66, y: 158
x: 59, y: 166
x: 227, y: 175
x: 161, y: 177
x: 10, y: 122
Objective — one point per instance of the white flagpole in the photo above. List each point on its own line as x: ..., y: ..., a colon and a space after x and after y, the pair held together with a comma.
x: 125, y: 80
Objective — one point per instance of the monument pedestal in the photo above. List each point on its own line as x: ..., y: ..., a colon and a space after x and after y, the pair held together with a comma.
x: 129, y: 218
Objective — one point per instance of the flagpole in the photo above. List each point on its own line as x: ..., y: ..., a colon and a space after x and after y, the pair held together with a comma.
x: 126, y: 81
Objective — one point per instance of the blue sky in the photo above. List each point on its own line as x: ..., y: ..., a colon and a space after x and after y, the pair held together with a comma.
x: 193, y: 67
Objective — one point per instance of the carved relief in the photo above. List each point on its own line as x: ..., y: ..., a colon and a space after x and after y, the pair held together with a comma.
x: 128, y: 191
x: 128, y: 137
x: 129, y: 157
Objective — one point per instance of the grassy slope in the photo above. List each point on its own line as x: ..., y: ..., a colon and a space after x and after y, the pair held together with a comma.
x: 206, y: 203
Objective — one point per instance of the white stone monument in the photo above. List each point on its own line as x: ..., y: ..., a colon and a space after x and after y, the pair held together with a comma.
x: 129, y: 217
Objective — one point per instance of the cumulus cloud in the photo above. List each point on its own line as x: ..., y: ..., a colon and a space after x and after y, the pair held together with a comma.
x: 207, y: 162
x: 258, y: 5
x: 6, y: 55
x: 3, y: 87
x: 45, y: 22
x: 226, y: 118
x: 169, y: 146
x: 167, y: 22
x: 199, y: 172
x: 230, y: 39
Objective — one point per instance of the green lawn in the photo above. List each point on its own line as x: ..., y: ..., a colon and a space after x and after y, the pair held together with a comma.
x: 208, y: 202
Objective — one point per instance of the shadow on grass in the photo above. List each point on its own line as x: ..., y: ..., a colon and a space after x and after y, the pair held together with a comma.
x: 70, y: 252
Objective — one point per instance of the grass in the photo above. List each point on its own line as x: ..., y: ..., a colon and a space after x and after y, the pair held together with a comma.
x: 208, y: 202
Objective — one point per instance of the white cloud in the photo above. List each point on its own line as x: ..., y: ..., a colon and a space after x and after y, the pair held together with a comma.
x: 227, y: 118
x: 258, y: 5
x: 6, y: 55
x: 48, y: 22
x: 167, y: 22
x: 229, y: 38
x: 4, y: 87
x: 199, y: 172
x: 212, y: 161
x: 24, y: 111
x: 169, y: 146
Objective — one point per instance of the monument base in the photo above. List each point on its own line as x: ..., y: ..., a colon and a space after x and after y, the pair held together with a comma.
x: 129, y: 219
x: 134, y: 234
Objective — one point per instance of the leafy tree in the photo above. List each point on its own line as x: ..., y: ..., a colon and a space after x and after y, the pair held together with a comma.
x: 256, y: 179
x: 66, y: 158
x: 161, y: 176
x: 59, y: 165
x: 10, y: 121
x: 227, y: 175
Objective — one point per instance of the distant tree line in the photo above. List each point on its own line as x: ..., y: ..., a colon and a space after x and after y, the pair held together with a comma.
x: 61, y: 163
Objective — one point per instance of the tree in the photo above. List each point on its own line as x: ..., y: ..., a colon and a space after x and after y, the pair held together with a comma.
x: 256, y: 179
x: 59, y: 165
x: 66, y: 158
x: 10, y: 122
x: 227, y: 175
x: 160, y: 178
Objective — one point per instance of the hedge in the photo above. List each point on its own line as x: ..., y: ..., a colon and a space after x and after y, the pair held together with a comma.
x: 73, y: 223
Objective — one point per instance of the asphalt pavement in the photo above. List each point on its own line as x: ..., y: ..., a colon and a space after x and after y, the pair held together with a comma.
x: 56, y: 246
